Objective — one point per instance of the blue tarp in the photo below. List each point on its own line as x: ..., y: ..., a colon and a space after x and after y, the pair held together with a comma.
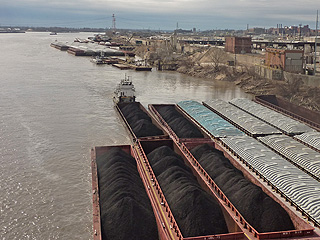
x: 212, y: 122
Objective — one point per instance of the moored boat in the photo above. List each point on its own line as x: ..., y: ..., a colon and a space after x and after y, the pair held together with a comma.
x: 98, y: 60
x: 142, y: 66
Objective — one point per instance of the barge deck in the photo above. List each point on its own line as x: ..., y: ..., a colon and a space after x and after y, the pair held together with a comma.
x: 302, y: 228
x: 294, y: 190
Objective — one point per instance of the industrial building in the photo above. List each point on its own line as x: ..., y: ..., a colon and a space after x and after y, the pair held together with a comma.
x: 285, y: 59
x: 238, y: 44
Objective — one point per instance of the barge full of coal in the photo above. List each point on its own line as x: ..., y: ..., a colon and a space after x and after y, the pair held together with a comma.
x: 207, y: 175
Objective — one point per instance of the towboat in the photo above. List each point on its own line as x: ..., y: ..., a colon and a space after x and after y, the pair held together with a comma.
x: 125, y: 91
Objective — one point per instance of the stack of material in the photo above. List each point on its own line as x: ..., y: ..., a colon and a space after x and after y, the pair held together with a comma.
x: 178, y: 123
x: 126, y: 211
x: 195, y: 211
x: 259, y: 210
x: 139, y: 121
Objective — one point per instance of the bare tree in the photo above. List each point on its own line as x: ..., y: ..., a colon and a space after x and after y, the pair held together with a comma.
x: 217, y: 57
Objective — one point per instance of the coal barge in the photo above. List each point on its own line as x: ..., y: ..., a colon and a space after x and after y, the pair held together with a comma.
x: 181, y: 131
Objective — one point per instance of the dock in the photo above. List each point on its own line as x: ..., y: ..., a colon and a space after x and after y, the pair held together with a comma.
x: 122, y: 66
x: 90, y: 49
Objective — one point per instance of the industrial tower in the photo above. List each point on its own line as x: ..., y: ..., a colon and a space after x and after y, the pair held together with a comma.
x: 113, y: 23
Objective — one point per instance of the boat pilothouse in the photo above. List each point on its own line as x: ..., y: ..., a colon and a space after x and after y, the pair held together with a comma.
x: 125, y: 91
x: 99, y: 59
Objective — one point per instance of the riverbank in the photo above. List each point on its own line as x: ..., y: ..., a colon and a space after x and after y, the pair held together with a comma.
x: 293, y: 90
x: 210, y: 63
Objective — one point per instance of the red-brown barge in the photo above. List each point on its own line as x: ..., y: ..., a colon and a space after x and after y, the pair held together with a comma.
x: 168, y: 228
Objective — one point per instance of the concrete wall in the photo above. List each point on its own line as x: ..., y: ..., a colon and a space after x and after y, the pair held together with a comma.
x: 275, y: 74
x: 309, y: 80
x: 270, y: 73
x: 247, y: 59
x: 278, y: 74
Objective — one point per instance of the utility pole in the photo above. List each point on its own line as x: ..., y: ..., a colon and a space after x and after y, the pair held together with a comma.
x: 315, y: 46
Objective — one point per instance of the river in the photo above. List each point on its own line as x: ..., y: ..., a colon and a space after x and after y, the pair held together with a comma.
x: 53, y: 108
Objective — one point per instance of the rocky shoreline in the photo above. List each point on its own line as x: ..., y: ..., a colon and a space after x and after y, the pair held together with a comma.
x: 294, y: 91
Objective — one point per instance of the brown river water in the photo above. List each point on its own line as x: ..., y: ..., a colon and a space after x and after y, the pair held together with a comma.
x: 53, y: 108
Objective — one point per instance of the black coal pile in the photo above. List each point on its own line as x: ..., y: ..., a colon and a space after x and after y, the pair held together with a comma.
x: 139, y: 121
x: 178, y: 123
x: 126, y: 211
x: 260, y: 210
x: 195, y: 211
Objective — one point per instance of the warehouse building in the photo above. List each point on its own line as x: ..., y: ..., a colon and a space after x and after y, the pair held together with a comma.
x: 285, y: 59
x: 238, y: 45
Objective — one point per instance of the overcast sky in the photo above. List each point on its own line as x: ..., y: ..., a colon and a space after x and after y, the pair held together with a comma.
x: 156, y: 14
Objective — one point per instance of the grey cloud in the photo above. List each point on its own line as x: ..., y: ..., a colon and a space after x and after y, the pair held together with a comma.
x: 190, y: 13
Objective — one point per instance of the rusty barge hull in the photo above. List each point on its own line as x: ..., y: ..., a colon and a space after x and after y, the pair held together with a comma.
x: 146, y: 146
x: 98, y: 151
x: 302, y: 228
x: 167, y: 226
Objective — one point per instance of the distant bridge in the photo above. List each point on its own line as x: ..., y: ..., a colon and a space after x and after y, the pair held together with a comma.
x: 256, y: 44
